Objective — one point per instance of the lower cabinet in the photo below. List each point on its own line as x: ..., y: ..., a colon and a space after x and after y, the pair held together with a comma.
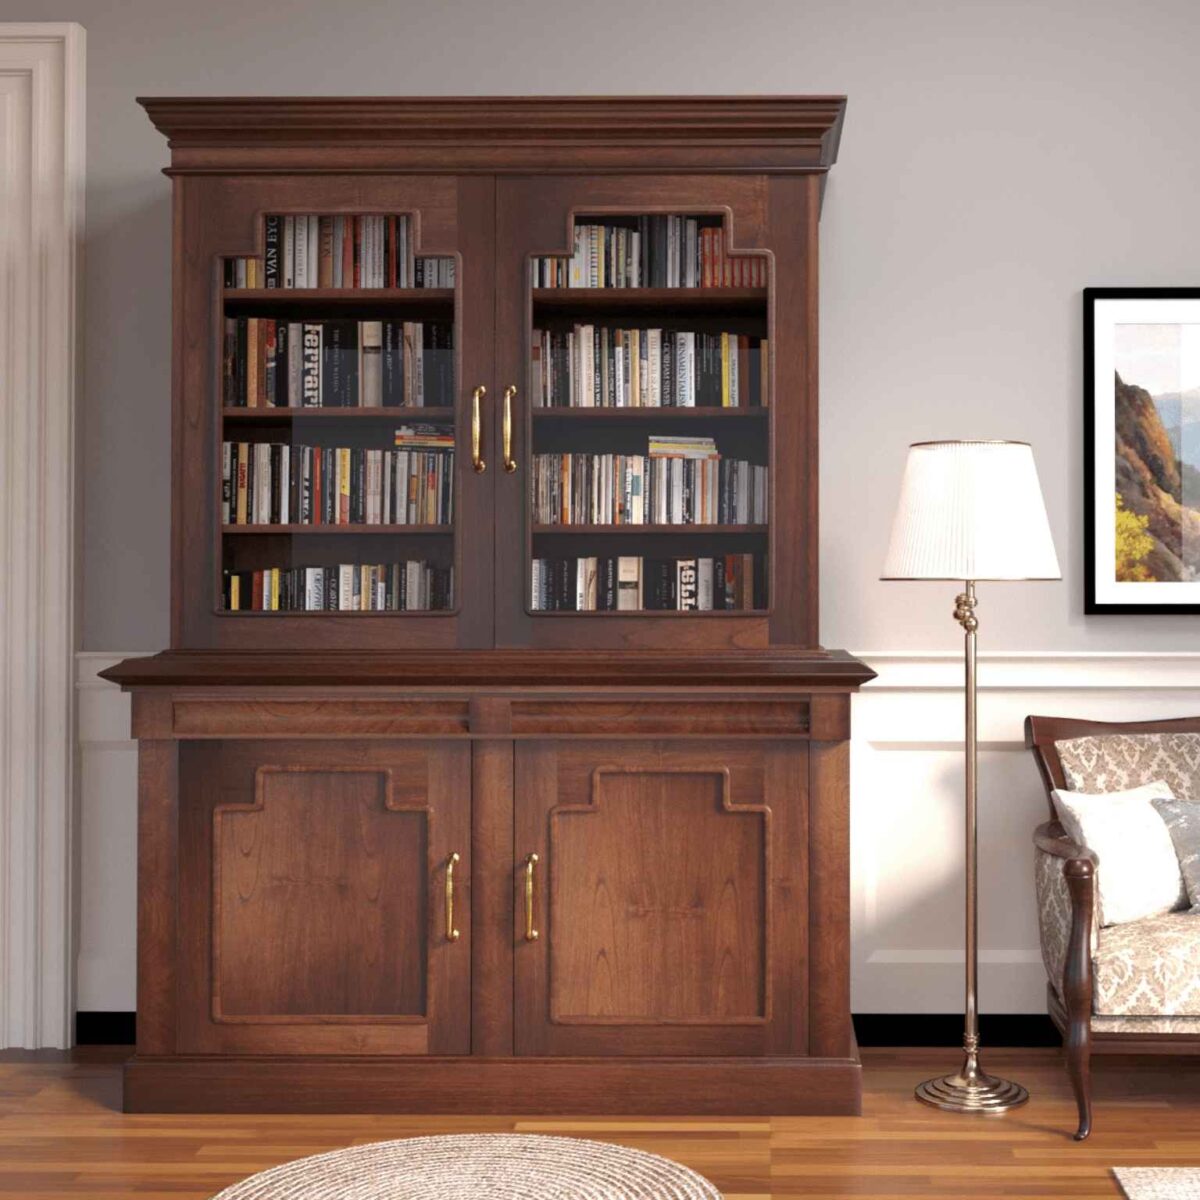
x: 396, y: 903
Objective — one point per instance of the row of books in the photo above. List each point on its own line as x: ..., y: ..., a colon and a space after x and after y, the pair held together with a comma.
x: 343, y: 251
x: 271, y: 483
x: 412, y: 586
x: 649, y: 251
x: 639, y: 489
x: 276, y: 363
x: 595, y: 366
x: 628, y: 584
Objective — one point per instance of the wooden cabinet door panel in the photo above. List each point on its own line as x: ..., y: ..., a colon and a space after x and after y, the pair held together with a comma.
x: 312, y: 905
x: 669, y: 898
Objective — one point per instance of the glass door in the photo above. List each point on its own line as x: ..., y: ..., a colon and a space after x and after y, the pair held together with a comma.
x: 343, y: 503
x: 636, y: 338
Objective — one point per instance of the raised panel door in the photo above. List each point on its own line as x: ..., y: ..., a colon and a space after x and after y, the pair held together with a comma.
x: 325, y: 897
x: 662, y: 900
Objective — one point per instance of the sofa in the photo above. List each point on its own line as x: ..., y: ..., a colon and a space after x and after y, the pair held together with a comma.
x: 1124, y: 988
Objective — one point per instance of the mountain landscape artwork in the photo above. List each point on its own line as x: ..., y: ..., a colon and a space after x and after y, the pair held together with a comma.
x: 1156, y: 506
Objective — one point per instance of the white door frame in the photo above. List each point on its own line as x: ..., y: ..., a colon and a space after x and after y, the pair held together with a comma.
x: 41, y: 232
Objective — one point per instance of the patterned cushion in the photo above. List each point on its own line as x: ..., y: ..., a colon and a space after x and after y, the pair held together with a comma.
x: 1149, y: 968
x: 1112, y: 762
x: 1183, y: 824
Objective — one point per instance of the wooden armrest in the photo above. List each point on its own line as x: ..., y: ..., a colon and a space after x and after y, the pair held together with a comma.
x: 1052, y: 838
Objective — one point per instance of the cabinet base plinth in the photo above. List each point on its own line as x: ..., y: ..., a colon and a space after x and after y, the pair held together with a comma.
x: 572, y: 1086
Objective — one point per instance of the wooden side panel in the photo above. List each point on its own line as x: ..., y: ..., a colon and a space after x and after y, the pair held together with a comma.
x: 664, y: 898
x: 312, y: 898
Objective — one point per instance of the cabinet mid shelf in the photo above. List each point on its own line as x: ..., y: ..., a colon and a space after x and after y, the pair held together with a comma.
x: 332, y: 413
x: 641, y: 300
x: 388, y: 298
x: 634, y: 530
x: 325, y: 530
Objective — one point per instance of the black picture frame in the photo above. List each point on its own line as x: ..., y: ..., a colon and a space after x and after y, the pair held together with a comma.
x: 1092, y: 605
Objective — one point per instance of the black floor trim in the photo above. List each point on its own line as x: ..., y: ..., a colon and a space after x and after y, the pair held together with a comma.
x: 105, y: 1028
x: 872, y: 1029
x: 946, y: 1029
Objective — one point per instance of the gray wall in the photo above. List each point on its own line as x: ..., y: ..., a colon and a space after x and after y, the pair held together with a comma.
x: 997, y: 158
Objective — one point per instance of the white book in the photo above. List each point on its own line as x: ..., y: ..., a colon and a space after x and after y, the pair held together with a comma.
x: 704, y: 584
x: 637, y: 505
x: 403, y: 502
x: 654, y: 357
x: 578, y: 274
x: 262, y: 484
x: 285, y: 489
x: 239, y: 273
x: 618, y: 369
x: 412, y: 590
x: 419, y: 361
x: 287, y: 259
x: 535, y: 584
x: 386, y: 512
x: 370, y: 366
x: 629, y: 584
x: 591, y: 584
x: 300, y: 252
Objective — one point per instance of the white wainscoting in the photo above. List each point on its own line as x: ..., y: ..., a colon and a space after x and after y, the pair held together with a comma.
x: 42, y: 132
x: 906, y: 816
x: 907, y: 813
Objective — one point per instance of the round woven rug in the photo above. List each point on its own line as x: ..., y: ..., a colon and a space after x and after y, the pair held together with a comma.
x: 478, y: 1166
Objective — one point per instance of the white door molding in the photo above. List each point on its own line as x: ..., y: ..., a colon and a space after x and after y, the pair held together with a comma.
x: 41, y: 229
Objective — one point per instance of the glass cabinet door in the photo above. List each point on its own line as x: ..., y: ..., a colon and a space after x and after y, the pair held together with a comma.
x: 656, y: 392
x: 328, y: 496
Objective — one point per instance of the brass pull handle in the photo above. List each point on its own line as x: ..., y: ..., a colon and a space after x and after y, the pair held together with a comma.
x: 452, y: 934
x: 531, y: 934
x: 509, y: 465
x: 476, y: 430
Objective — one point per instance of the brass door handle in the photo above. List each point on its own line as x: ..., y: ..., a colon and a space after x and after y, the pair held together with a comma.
x: 477, y: 430
x: 531, y: 934
x: 452, y: 934
x: 509, y: 464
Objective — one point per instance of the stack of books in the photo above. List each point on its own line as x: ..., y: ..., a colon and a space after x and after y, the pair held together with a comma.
x: 274, y: 362
x: 411, y: 586
x: 595, y: 366
x: 681, y: 481
x: 273, y: 483
x: 632, y: 584
x: 341, y: 251
x: 650, y: 251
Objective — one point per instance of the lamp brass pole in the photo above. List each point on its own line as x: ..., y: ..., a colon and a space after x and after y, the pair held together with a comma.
x: 971, y: 1090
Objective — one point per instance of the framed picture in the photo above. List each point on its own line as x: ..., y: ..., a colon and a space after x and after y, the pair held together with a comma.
x: 1142, y: 449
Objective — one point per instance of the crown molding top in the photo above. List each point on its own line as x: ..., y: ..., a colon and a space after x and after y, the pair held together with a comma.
x: 489, y: 133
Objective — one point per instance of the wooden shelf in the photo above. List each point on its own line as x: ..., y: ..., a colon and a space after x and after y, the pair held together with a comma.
x: 325, y: 530
x: 712, y: 299
x: 440, y: 297
x: 332, y: 413
x: 682, y: 415
x: 633, y: 530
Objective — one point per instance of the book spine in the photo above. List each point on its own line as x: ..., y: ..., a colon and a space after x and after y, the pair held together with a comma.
x: 271, y: 252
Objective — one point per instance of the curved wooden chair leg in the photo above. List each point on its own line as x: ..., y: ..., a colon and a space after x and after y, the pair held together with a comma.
x: 1077, y: 990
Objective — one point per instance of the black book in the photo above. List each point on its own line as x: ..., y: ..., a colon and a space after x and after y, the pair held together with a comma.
x: 719, y: 598
x: 250, y: 513
x: 606, y: 592
x: 310, y: 369
x: 339, y: 364
x: 668, y: 368
x: 392, y: 366
x: 295, y: 484
x: 243, y: 333
x: 357, y: 516
x: 280, y: 397
x: 229, y: 364
x: 271, y: 254
x: 755, y: 367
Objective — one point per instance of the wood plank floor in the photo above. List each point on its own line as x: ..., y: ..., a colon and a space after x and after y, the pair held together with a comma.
x: 62, y: 1136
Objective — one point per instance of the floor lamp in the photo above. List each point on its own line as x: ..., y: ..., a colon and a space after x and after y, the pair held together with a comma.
x: 970, y: 511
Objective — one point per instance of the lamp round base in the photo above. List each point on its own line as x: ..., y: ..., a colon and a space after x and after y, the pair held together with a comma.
x: 974, y: 1093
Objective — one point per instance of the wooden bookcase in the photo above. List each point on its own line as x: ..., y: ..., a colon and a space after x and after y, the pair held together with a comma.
x: 490, y: 852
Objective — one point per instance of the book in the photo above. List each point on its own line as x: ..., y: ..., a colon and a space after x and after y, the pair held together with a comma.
x: 413, y: 585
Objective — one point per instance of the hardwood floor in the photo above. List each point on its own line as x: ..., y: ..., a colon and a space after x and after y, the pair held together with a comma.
x: 62, y: 1137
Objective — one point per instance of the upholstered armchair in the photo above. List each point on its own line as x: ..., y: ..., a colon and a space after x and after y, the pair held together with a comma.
x: 1131, y: 988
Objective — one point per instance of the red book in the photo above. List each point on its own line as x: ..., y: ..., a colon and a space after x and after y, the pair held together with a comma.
x: 256, y: 598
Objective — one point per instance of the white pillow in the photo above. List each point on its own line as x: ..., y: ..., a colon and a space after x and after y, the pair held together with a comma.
x: 1139, y: 872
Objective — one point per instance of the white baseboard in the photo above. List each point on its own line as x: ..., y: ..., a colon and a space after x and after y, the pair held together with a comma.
x: 906, y: 819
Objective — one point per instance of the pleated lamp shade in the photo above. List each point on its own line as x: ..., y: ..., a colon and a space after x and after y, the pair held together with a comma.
x: 971, y: 510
